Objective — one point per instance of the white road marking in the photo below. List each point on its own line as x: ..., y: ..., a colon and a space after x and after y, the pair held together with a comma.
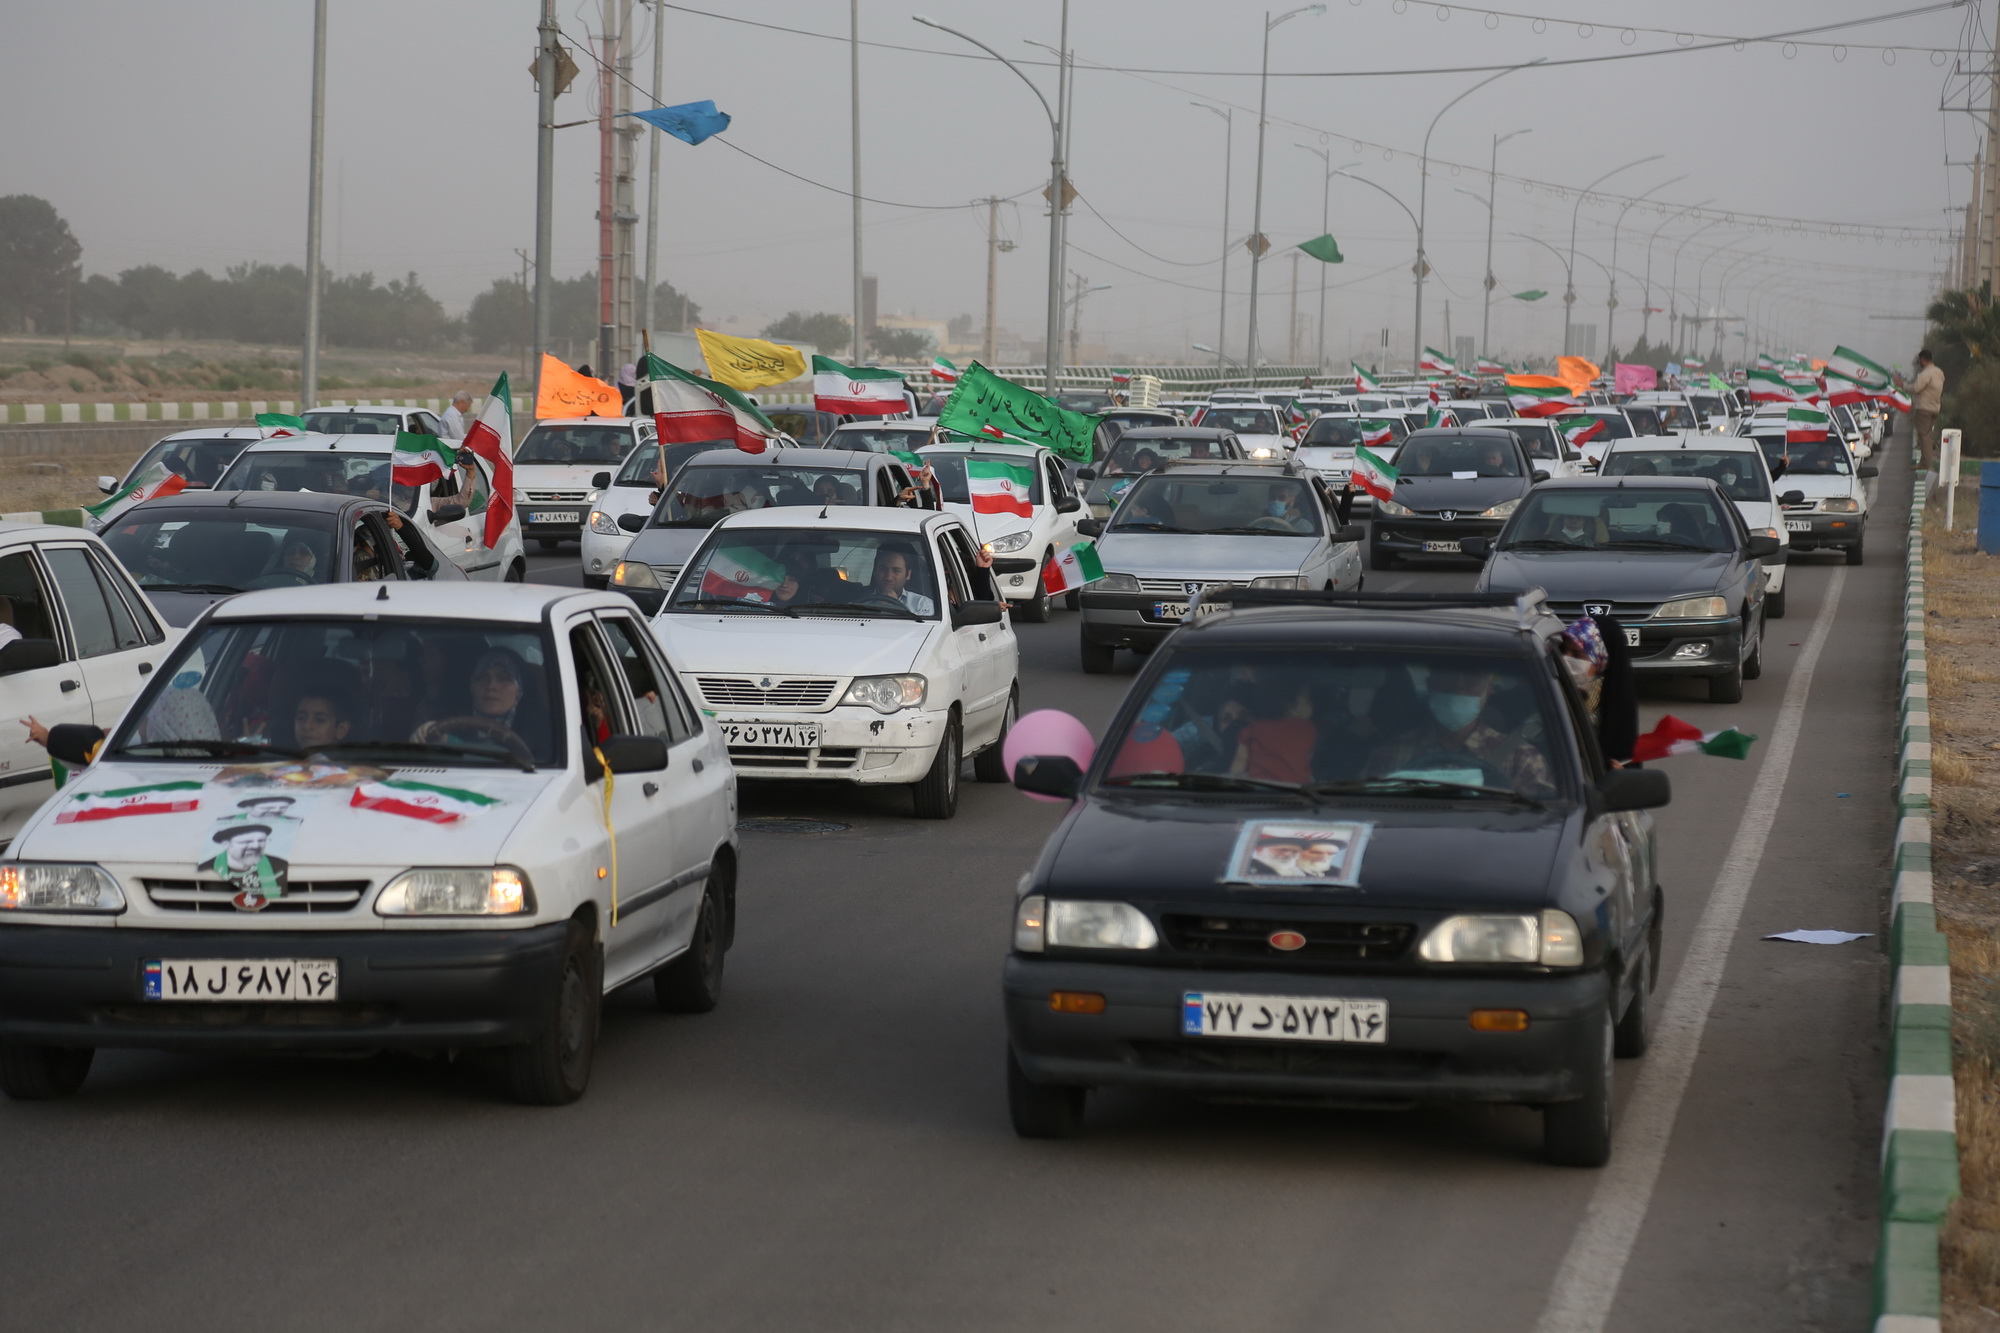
x: 1587, y: 1283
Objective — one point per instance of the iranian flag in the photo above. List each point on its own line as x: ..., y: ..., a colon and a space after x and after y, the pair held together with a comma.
x: 427, y: 801
x: 856, y: 392
x: 491, y: 437
x: 1895, y: 398
x: 1581, y: 430
x: 418, y: 460
x: 1296, y: 414
x: 742, y: 574
x: 1538, y: 395
x: 1488, y: 366
x: 1373, y: 475
x: 156, y: 481
x: 1766, y: 385
x: 1853, y: 365
x: 944, y: 370
x: 1072, y: 569
x: 158, y: 798
x: 1765, y: 361
x: 1377, y: 433
x: 688, y: 409
x: 279, y: 425
x: 1363, y: 381
x: 998, y: 487
x: 1805, y: 425
x: 1841, y: 389
x: 1673, y: 736
x: 1434, y: 362
x: 1121, y: 378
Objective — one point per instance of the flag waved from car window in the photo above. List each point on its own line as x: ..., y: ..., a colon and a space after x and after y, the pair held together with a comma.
x: 982, y: 403
x: 944, y: 369
x: 1673, y: 736
x: 856, y: 392
x: 997, y: 487
x: 688, y: 409
x: 1805, y: 425
x: 1363, y: 381
x: 749, y: 363
x: 742, y: 574
x: 491, y: 437
x: 1375, y: 476
x: 154, y: 482
x: 1767, y: 385
x: 1435, y: 362
x: 1581, y: 430
x: 1376, y: 433
x: 1538, y: 395
x: 418, y: 460
x: 1072, y: 569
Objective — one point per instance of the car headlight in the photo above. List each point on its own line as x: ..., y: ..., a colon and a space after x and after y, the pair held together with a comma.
x: 1693, y: 608
x: 1392, y: 509
x: 1550, y: 939
x: 886, y: 694
x: 1501, y: 510
x: 55, y: 887
x: 1839, y: 504
x: 1013, y: 541
x: 603, y: 524
x: 1282, y: 581
x: 471, y: 891
x: 1261, y: 451
x: 1084, y: 925
x: 634, y: 574
x: 1117, y: 583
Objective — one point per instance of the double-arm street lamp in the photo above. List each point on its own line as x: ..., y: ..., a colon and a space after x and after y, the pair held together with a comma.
x: 1611, y: 301
x: 1419, y: 268
x: 1569, y: 297
x: 1646, y: 324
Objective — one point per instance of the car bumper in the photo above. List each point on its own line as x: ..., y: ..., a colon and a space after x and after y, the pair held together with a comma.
x: 857, y: 745
x: 1125, y: 619
x: 1669, y: 648
x: 1407, y: 536
x: 1431, y: 1053
x: 1830, y: 532
x: 1019, y: 577
x: 601, y: 554
x: 534, y: 526
x: 74, y: 986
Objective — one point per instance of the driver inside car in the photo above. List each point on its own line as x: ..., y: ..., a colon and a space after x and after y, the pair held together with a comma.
x: 894, y: 568
x: 497, y: 688
x: 1456, y: 742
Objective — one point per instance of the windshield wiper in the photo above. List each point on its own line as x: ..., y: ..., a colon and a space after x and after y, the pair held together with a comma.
x: 1153, y: 527
x: 733, y: 602
x: 493, y: 754
x: 1433, y: 786
x: 1252, y: 532
x: 189, y: 587
x: 1657, y: 544
x: 210, y: 747
x: 1204, y: 782
x: 863, y: 607
x: 1546, y: 544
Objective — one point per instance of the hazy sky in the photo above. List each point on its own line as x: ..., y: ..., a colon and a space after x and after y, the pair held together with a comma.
x: 175, y: 133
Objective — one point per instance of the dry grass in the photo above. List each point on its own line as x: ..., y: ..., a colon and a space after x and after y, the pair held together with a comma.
x: 66, y: 483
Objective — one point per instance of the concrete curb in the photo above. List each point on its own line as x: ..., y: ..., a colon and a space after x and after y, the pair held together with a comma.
x: 62, y: 518
x: 44, y: 414
x: 1919, y: 1132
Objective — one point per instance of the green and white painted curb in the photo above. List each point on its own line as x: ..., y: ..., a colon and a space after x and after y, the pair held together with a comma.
x: 49, y: 414
x: 1919, y: 1138
x: 62, y: 518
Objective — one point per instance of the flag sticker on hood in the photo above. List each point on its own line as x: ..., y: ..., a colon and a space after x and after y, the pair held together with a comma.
x: 159, y: 798
x: 427, y: 801
x: 1288, y: 855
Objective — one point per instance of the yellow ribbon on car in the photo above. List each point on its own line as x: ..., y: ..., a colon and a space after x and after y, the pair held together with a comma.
x: 609, y: 832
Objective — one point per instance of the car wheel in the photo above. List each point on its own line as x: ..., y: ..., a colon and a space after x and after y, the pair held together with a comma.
x: 1036, y: 609
x: 1753, y: 665
x: 548, y: 543
x: 1634, y: 1032
x: 1380, y: 559
x: 1098, y: 658
x: 42, y: 1073
x: 1073, y: 599
x: 1041, y: 1110
x: 990, y: 765
x: 935, y: 794
x: 1774, y: 605
x: 552, y: 1068
x: 1854, y: 554
x: 1578, y: 1133
x: 517, y: 572
x: 692, y: 983
x: 597, y: 581
x: 1727, y: 689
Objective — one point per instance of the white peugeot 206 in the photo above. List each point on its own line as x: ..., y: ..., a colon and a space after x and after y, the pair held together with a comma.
x: 376, y: 816
x: 863, y: 645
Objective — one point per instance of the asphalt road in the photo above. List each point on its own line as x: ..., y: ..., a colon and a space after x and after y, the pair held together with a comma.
x: 830, y: 1150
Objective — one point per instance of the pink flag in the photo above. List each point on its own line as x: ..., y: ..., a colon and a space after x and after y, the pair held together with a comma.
x: 1633, y: 379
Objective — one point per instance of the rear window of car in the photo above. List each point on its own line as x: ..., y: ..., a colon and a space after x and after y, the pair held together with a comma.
x: 878, y: 441
x: 643, y: 466
x: 202, y: 462
x: 1242, y: 420
x: 606, y: 445
x: 1245, y: 506
x: 1458, y: 456
x: 353, y: 423
x: 1142, y: 453
x: 1537, y: 439
x: 704, y: 495
x: 224, y: 550
x: 321, y: 470
x: 1741, y: 475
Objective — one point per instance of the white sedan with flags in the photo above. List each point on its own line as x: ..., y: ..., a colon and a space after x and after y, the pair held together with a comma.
x: 1019, y: 502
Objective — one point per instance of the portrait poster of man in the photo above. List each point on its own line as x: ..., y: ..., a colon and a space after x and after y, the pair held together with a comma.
x: 1299, y: 855
x: 250, y: 849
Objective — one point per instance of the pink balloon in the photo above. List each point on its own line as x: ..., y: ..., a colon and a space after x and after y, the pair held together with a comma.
x: 1047, y: 731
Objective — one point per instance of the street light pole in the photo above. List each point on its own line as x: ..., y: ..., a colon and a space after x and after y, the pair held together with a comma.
x: 1492, y: 207
x: 1257, y: 242
x: 1222, y: 306
x: 1406, y: 213
x: 1722, y: 285
x: 854, y: 142
x: 1325, y: 226
x: 1568, y: 277
x: 315, y: 175
x: 545, y: 180
x: 1646, y: 324
x: 1674, y: 284
x: 1423, y: 200
x: 1611, y: 301
x: 653, y: 177
x: 1569, y: 296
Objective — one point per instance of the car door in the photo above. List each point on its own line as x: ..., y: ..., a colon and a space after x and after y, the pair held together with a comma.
x: 1065, y: 505
x: 1615, y: 844
x: 39, y: 678
x: 114, y: 646
x: 983, y: 681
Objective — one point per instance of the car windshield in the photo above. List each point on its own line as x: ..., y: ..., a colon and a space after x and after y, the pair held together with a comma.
x: 200, y: 461
x: 575, y: 444
x: 1468, y: 409
x: 1127, y: 420
x: 1018, y: 469
x: 1138, y: 453
x: 343, y: 422
x: 1709, y: 406
x: 810, y: 571
x: 425, y: 691
x: 705, y: 494
x: 1645, y: 421
x: 1539, y: 440
x: 1250, y: 506
x: 1627, y: 518
x: 1741, y: 475
x: 878, y: 440
x: 1616, y: 427
x: 1817, y: 458
x: 1242, y: 420
x: 1085, y: 402
x: 808, y: 428
x: 642, y: 466
x: 322, y: 470
x: 1334, y: 432
x: 1462, y: 456
x: 1675, y: 416
x: 223, y: 550
x: 1409, y: 722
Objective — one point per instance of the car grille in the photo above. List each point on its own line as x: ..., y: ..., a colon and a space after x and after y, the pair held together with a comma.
x: 1178, y: 587
x: 1806, y: 508
x: 827, y: 759
x: 188, y: 895
x: 743, y: 692
x: 1246, y: 1057
x: 1624, y: 611
x: 559, y: 497
x: 1248, y: 938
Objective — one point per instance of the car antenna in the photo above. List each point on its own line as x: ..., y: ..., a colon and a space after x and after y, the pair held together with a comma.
x: 382, y: 593
x: 823, y: 508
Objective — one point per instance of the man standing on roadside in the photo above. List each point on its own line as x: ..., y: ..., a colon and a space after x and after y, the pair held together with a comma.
x: 454, y: 416
x: 1926, y: 396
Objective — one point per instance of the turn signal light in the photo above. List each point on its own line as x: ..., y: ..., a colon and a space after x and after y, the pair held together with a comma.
x: 1499, y: 1020
x: 1079, y: 1002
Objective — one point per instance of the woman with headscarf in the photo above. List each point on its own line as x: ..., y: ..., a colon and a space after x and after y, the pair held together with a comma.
x: 498, y: 688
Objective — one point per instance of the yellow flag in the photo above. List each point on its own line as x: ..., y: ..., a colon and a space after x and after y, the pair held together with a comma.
x: 564, y: 393
x: 749, y: 363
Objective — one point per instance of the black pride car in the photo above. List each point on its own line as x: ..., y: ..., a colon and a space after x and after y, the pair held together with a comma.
x: 1339, y: 849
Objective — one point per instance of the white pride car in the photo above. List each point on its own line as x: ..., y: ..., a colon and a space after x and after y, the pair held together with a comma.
x: 860, y: 645
x: 557, y: 465
x: 358, y: 817
x: 1025, y: 523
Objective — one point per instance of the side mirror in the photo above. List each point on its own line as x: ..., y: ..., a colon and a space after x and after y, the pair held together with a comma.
x: 634, y: 754
x: 1054, y: 775
x: 1090, y: 527
x: 29, y: 655
x: 1069, y: 504
x: 447, y: 513
x: 1476, y: 547
x: 977, y: 613
x: 1792, y: 498
x: 632, y: 522
x: 107, y: 484
x: 1761, y: 546
x: 599, y: 480
x: 1539, y: 475
x: 1635, y: 789
x: 1867, y: 470
x: 1086, y: 474
x: 1353, y: 532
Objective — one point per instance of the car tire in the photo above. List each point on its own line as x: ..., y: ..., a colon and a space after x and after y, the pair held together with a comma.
x: 1634, y: 1032
x: 1073, y: 599
x: 990, y: 764
x: 1774, y: 605
x: 692, y: 983
x: 1753, y: 665
x: 1854, y: 554
x: 517, y: 572
x: 1578, y: 1133
x: 1041, y: 1110
x: 935, y: 794
x: 1035, y: 611
x: 1098, y: 658
x: 552, y: 1068
x: 548, y: 543
x: 30, y: 1073
x: 1380, y: 559
x: 1727, y: 689
x: 598, y: 581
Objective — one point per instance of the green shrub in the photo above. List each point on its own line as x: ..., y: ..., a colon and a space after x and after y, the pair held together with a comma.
x: 1972, y: 404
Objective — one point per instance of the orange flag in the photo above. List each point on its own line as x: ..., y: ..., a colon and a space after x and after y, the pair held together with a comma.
x: 564, y: 393
x: 1575, y: 372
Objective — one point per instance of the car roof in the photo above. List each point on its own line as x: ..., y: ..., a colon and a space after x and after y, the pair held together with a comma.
x: 1229, y: 467
x: 1477, y: 431
x: 230, y: 433
x: 324, y: 443
x: 17, y: 531
x: 1003, y: 450
x: 253, y: 501
x: 799, y: 457
x: 1210, y: 433
x: 877, y: 518
x: 914, y: 427
x: 1492, y: 621
x: 1619, y: 483
x: 361, y: 407
x: 1683, y: 439
x: 522, y: 603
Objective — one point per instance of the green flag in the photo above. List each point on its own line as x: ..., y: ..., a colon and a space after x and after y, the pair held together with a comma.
x: 1716, y: 385
x: 1535, y: 295
x: 983, y: 405
x: 1323, y: 248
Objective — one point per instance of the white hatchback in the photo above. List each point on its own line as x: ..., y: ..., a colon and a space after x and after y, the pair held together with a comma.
x: 860, y: 645
x: 1732, y: 462
x: 1023, y: 532
x: 556, y: 466
x: 619, y: 502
